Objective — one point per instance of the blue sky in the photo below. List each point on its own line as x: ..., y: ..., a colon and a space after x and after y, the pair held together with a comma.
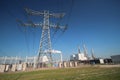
x: 95, y: 23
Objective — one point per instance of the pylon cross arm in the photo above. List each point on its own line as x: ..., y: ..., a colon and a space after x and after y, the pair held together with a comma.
x: 57, y: 15
x: 33, y: 25
x: 57, y: 26
x: 33, y: 12
x: 30, y: 24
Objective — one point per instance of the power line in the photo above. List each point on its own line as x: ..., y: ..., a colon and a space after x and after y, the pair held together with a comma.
x: 70, y: 11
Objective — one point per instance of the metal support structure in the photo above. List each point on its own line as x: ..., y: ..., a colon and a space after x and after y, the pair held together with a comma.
x: 92, y: 53
x: 79, y: 49
x: 85, y: 51
x: 61, y: 57
x: 45, y: 42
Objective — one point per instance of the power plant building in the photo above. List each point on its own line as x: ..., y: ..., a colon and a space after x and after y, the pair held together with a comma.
x: 116, y: 59
x: 79, y: 56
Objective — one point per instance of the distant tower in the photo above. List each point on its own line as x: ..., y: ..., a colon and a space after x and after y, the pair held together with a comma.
x: 85, y: 51
x: 79, y: 49
x: 45, y: 48
x: 92, y: 53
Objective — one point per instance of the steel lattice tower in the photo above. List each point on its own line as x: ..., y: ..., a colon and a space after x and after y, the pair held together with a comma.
x: 45, y: 42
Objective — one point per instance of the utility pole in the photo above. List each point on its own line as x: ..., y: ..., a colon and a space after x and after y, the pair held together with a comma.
x: 45, y: 42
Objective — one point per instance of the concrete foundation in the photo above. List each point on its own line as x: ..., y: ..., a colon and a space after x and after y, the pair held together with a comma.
x: 2, y: 68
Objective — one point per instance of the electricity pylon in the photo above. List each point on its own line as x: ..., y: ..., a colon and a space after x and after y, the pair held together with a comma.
x: 45, y: 42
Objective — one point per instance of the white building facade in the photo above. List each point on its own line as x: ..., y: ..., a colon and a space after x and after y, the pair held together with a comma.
x: 79, y: 56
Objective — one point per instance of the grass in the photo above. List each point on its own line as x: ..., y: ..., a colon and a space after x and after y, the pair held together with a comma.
x: 84, y: 73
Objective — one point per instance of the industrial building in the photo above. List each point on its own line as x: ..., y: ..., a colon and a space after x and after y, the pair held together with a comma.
x: 115, y: 59
x: 79, y: 56
x: 82, y: 57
